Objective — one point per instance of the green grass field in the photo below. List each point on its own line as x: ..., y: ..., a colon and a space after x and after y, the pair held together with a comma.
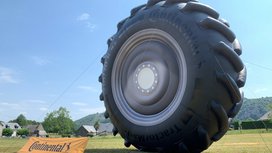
x: 251, y: 141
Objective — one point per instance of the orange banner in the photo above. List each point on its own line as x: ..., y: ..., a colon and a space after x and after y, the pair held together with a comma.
x: 53, y: 145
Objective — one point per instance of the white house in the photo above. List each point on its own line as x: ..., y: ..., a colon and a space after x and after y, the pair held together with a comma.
x: 2, y: 126
x: 266, y: 116
x: 14, y: 127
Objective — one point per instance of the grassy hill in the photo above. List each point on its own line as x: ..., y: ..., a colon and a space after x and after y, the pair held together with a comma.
x: 252, y: 109
x: 91, y: 119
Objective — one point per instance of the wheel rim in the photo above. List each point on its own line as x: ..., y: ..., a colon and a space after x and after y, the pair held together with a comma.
x: 149, y: 77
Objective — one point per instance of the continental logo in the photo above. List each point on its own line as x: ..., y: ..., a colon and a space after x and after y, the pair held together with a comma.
x: 49, y: 147
x: 54, y: 145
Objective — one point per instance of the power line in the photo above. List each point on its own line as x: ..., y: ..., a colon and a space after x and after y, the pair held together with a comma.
x: 260, y: 66
x: 56, y: 100
x: 78, y: 77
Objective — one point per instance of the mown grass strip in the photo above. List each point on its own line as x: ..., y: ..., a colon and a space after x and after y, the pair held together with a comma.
x: 246, y: 141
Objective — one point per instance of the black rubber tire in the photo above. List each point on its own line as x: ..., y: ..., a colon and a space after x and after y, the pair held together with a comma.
x: 214, y: 74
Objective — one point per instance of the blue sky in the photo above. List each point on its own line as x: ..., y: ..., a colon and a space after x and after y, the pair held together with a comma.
x: 50, y: 51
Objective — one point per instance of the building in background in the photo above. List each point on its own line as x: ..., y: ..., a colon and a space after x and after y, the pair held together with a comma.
x: 105, y: 129
x: 14, y: 127
x: 36, y: 130
x: 86, y: 130
x: 2, y: 126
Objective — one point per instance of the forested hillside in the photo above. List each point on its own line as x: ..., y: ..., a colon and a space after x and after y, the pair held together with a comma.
x: 91, y: 119
x: 253, y: 109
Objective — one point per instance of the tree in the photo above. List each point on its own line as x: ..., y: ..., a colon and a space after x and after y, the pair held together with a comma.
x: 96, y: 125
x: 59, y: 121
x: 7, y: 132
x: 32, y: 122
x: 22, y: 132
x: 22, y: 121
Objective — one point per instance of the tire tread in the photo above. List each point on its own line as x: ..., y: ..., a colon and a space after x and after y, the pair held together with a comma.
x: 222, y: 120
x: 241, y: 81
x: 121, y: 23
x: 236, y: 107
x: 151, y: 3
x: 231, y: 85
x: 197, y: 7
x: 136, y: 10
x: 114, y: 131
x: 170, y: 2
x: 106, y: 115
x: 101, y: 97
x: 229, y: 54
x: 237, y: 47
x: 100, y: 78
x: 204, y: 138
x: 213, y: 24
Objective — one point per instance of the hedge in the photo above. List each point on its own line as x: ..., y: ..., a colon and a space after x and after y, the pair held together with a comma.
x: 266, y: 124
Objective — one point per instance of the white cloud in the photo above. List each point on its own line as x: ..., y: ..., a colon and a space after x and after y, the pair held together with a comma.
x: 79, y: 104
x: 43, y: 109
x: 40, y: 61
x: 9, y: 105
x: 257, y: 92
x: 34, y: 109
x: 91, y: 26
x: 7, y: 75
x: 24, y: 113
x: 260, y: 90
x: 35, y: 101
x: 79, y: 112
x: 51, y: 95
x: 88, y: 88
x: 84, y: 17
x: 92, y: 110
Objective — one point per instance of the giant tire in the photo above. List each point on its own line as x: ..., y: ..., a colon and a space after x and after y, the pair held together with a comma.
x: 171, y: 77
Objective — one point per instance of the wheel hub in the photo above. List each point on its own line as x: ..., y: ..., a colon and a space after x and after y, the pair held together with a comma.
x: 146, y: 78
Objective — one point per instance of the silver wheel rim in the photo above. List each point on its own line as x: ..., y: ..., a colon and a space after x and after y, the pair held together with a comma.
x: 149, y: 77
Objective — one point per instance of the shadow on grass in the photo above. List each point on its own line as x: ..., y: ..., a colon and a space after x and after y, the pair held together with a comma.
x: 112, y: 151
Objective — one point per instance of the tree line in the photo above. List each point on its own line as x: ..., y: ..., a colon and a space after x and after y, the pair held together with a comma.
x: 58, y: 121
